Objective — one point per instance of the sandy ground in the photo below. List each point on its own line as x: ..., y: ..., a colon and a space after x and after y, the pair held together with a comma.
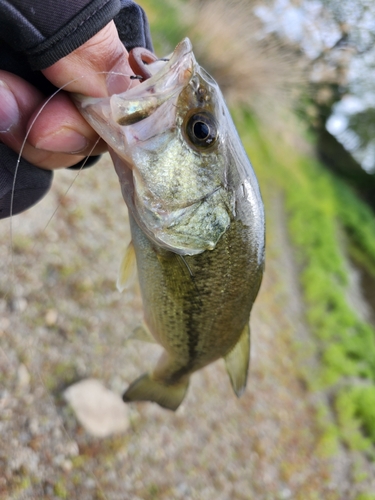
x: 62, y: 320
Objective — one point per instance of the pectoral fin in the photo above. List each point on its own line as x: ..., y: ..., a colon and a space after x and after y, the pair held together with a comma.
x: 127, y: 269
x: 147, y: 389
x: 142, y: 332
x: 237, y: 362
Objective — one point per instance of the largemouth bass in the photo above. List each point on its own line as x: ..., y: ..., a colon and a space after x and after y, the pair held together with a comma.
x: 197, y: 221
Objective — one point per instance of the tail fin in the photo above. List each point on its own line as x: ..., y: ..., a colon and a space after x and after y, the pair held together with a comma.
x: 145, y: 388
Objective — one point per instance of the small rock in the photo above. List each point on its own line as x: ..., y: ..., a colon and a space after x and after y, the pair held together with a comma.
x: 285, y: 493
x: 34, y: 426
x: 71, y: 449
x: 23, y: 377
x: 182, y: 490
x: 67, y: 465
x: 51, y: 317
x: 20, y: 304
x: 24, y: 457
x: 100, y: 411
x: 4, y: 323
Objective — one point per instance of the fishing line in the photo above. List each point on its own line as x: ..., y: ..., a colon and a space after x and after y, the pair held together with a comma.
x: 12, y: 269
x: 31, y: 126
x: 69, y: 187
x: 12, y: 264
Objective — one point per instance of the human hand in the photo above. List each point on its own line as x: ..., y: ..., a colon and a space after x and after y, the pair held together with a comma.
x: 60, y: 137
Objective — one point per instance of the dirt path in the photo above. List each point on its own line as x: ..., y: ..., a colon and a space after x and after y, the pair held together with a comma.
x: 63, y: 320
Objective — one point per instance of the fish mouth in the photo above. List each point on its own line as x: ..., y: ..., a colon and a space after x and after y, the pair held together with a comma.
x: 146, y: 64
x: 161, y: 84
x: 111, y: 116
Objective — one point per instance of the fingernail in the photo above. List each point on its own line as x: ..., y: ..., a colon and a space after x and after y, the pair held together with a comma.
x: 118, y: 80
x: 64, y: 140
x: 9, y: 112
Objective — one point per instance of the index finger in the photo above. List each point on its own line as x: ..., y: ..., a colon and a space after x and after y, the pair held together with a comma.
x: 98, y: 68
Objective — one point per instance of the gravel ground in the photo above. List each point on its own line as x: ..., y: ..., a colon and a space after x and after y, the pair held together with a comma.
x: 62, y: 320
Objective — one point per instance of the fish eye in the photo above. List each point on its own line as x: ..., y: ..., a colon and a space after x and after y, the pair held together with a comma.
x: 201, y: 130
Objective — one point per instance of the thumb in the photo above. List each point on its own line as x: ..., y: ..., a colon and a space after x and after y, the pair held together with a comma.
x: 87, y: 69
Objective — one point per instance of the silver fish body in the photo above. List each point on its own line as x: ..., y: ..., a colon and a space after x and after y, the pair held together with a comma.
x: 197, y: 221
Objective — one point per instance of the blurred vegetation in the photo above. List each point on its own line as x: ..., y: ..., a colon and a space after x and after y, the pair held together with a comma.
x: 321, y: 211
x: 329, y: 225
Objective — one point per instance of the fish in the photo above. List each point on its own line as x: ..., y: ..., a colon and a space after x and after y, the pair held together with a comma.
x: 196, y: 217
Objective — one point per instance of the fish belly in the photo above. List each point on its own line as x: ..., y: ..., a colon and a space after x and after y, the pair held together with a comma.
x: 196, y: 306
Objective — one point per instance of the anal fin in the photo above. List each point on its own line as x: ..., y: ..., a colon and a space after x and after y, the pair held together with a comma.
x: 237, y: 362
x: 145, y: 388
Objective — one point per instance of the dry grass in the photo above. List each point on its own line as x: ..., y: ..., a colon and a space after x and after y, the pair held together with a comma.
x: 259, y: 71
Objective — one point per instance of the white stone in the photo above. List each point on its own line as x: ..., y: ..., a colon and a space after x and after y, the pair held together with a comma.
x: 23, y: 377
x: 100, y: 411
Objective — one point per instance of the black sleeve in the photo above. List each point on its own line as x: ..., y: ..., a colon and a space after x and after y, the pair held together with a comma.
x: 34, y: 34
x: 46, y: 30
x: 31, y: 184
